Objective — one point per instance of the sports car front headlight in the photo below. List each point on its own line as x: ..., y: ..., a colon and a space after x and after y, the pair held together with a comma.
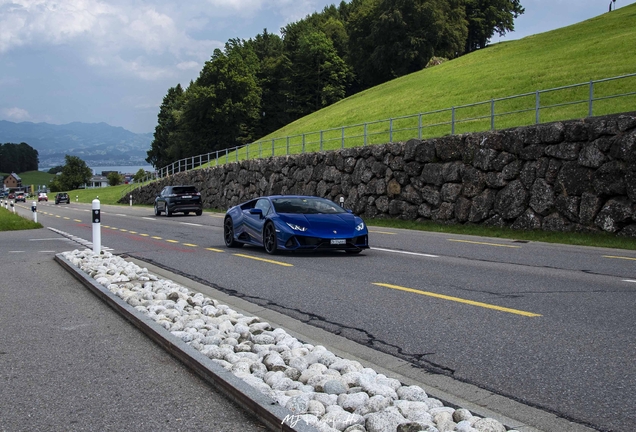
x: 296, y: 227
x: 360, y: 226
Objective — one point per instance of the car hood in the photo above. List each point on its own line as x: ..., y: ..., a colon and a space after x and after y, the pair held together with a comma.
x: 325, y: 225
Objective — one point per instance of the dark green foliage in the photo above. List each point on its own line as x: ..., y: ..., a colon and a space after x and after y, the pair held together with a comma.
x: 391, y: 38
x: 56, y: 169
x: 18, y: 158
x: 114, y: 178
x: 252, y: 88
x: 74, y: 174
x: 487, y: 17
x: 158, y: 155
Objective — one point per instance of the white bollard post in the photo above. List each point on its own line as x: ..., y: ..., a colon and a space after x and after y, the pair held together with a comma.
x: 97, y: 234
x: 131, y: 200
x: 12, y: 207
x: 76, y: 198
x: 342, y: 202
x: 34, y: 209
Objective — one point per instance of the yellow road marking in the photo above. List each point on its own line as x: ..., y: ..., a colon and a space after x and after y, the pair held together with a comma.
x: 483, y: 243
x: 105, y: 226
x: 172, y: 241
x: 58, y: 216
x: 124, y: 230
x: 157, y: 238
x: 264, y: 260
x: 214, y: 250
x: 383, y: 232
x: 133, y: 232
x: 145, y: 235
x: 67, y: 218
x: 76, y: 220
x: 217, y: 215
x: 619, y: 257
x: 189, y: 244
x: 459, y: 300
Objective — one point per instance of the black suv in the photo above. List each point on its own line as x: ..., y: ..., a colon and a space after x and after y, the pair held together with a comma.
x: 178, y: 199
x: 62, y: 197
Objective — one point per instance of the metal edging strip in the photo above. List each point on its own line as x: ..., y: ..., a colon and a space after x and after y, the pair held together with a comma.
x: 265, y: 409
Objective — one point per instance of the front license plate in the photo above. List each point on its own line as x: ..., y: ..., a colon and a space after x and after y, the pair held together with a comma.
x: 187, y: 196
x: 338, y: 241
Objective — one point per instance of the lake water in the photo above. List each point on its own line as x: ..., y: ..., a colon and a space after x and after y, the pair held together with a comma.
x: 122, y: 169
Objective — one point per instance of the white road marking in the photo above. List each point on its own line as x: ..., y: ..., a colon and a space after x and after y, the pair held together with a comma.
x: 629, y: 280
x: 405, y: 252
x: 119, y: 214
x: 188, y: 223
x: 147, y: 218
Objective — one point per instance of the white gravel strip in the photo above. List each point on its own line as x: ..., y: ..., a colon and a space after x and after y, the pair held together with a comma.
x: 318, y: 387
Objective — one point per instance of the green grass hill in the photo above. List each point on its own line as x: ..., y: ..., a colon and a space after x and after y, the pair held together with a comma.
x: 598, y: 48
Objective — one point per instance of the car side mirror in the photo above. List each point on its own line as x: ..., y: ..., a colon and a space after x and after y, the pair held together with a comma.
x: 349, y: 211
x: 256, y: 211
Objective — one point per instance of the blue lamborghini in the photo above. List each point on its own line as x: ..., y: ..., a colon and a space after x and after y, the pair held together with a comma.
x: 289, y: 223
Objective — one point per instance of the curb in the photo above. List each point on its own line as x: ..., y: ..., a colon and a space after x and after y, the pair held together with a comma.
x: 272, y: 415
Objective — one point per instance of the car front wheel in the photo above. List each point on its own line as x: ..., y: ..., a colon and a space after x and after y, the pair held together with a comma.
x: 228, y: 234
x: 157, y: 211
x: 269, y: 239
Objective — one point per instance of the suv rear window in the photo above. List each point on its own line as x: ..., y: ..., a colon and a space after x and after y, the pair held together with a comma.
x: 184, y: 190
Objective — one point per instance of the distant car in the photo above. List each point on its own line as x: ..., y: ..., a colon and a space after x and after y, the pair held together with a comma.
x: 42, y: 197
x: 287, y: 222
x: 178, y: 199
x: 62, y: 197
x: 11, y: 196
x: 20, y: 196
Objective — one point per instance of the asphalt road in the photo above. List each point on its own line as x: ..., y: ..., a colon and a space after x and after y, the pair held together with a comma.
x: 551, y: 326
x: 70, y: 363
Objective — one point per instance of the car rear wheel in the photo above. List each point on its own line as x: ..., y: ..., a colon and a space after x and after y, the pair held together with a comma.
x: 168, y: 212
x: 199, y: 212
x: 269, y: 239
x: 157, y: 211
x: 228, y: 234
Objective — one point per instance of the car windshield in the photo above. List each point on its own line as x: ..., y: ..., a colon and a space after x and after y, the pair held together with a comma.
x: 184, y: 190
x: 306, y: 206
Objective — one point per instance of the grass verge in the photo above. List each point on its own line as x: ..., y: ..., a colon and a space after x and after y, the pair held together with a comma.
x: 605, y: 240
x: 14, y: 222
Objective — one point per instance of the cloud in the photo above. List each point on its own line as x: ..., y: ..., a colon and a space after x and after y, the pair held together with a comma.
x: 144, y: 39
x: 16, y: 114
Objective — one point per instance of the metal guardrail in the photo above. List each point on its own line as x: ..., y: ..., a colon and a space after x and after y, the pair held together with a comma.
x: 566, y: 102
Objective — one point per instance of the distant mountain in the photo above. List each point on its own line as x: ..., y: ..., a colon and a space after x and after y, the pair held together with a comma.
x: 98, y: 144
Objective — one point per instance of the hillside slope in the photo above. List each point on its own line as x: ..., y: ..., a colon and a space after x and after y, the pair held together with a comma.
x: 598, y: 48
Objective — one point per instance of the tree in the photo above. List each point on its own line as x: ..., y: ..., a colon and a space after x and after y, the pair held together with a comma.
x: 114, y: 178
x: 487, y: 17
x: 221, y: 109
x: 18, y: 158
x: 166, y: 129
x: 74, y: 174
x: 391, y: 38
x: 319, y: 75
x: 140, y: 175
x: 56, y: 169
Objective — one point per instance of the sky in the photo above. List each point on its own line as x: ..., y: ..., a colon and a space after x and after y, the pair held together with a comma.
x: 113, y: 61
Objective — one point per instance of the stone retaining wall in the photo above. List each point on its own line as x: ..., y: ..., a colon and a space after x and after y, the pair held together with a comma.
x: 575, y: 175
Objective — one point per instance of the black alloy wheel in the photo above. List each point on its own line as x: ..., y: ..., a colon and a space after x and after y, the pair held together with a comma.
x: 157, y: 211
x: 269, y: 239
x: 228, y: 234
